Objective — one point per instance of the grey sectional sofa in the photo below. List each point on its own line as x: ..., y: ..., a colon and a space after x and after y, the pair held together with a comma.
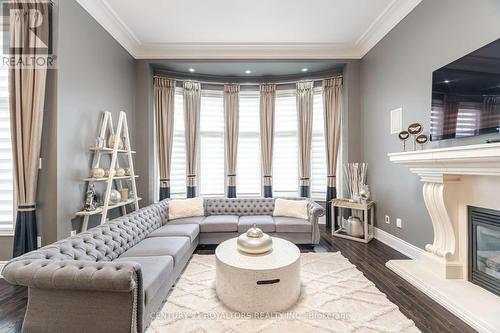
x: 114, y: 277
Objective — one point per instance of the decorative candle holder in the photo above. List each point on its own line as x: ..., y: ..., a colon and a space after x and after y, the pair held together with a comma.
x: 422, y: 139
x: 403, y: 136
x: 415, y: 129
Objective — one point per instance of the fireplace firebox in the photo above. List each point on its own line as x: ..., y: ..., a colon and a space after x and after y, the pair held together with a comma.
x: 484, y: 248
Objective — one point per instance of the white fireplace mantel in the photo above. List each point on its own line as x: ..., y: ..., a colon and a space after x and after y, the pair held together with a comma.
x: 441, y: 270
x: 431, y: 165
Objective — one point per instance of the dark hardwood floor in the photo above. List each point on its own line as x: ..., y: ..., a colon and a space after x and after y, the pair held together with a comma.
x: 370, y: 258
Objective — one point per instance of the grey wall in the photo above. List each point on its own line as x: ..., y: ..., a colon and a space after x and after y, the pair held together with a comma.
x: 95, y: 74
x: 144, y: 162
x: 398, y: 72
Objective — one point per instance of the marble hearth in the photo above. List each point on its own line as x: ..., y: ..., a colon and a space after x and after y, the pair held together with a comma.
x: 453, y: 179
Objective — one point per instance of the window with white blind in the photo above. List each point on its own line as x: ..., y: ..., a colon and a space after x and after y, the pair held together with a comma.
x: 178, y: 167
x: 211, y: 166
x: 285, y: 159
x: 6, y: 161
x: 248, y: 173
x: 318, y: 154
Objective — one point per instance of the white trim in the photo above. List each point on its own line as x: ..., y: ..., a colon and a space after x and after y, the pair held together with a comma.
x: 247, y: 51
x: 409, y: 250
x: 2, y: 264
x: 474, y: 305
x: 394, y: 13
x: 104, y: 14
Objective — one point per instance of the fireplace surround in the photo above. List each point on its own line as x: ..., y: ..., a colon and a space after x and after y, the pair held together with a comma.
x: 454, y: 179
x: 484, y: 248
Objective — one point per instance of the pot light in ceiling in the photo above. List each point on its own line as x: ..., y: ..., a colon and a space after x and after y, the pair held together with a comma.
x: 304, y: 69
x: 447, y: 81
x: 191, y: 70
x: 248, y: 71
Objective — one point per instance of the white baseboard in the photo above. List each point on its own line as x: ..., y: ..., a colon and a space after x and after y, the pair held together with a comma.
x: 398, y: 244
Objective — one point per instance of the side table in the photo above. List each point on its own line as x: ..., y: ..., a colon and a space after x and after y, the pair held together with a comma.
x: 366, y: 212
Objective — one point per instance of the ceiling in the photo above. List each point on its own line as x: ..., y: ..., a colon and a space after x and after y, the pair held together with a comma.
x: 257, y: 29
x: 246, y: 71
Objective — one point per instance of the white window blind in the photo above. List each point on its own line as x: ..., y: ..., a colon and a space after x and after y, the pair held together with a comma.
x: 211, y: 167
x: 178, y: 166
x: 318, y: 154
x: 248, y: 174
x: 285, y: 160
x: 468, y: 119
x: 6, y: 161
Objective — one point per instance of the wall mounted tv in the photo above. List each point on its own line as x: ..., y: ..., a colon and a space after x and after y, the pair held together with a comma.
x: 466, y: 95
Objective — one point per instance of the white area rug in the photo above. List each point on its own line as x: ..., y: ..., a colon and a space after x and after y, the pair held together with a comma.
x: 335, y: 297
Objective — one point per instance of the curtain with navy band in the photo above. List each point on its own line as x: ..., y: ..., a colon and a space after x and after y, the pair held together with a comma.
x: 332, y: 109
x: 231, y: 126
x: 192, y: 105
x: 26, y: 103
x: 267, y: 110
x: 164, y: 95
x: 304, y: 100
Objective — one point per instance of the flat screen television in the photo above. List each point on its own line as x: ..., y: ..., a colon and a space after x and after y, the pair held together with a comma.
x: 466, y: 95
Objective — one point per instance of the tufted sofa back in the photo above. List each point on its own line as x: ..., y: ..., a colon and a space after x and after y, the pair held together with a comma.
x: 237, y: 206
x: 105, y: 242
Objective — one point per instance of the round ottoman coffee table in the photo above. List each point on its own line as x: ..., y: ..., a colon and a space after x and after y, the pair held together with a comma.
x: 265, y: 282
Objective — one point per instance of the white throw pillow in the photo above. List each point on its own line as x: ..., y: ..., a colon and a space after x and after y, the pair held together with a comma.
x: 178, y: 209
x: 291, y: 208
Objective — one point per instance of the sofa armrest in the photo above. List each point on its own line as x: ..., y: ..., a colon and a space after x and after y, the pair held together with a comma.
x: 73, y: 274
x: 315, y: 211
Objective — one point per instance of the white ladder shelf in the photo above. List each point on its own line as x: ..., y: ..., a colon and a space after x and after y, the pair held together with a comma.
x: 111, y: 179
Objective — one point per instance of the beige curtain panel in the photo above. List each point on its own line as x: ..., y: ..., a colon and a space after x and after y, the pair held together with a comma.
x: 332, y: 108
x: 267, y: 107
x: 192, y: 104
x: 231, y: 124
x: 26, y: 102
x: 164, y: 95
x: 305, y: 122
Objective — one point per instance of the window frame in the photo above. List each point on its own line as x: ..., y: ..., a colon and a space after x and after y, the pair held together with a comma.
x: 212, y: 93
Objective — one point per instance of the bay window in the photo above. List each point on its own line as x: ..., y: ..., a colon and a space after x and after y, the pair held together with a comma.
x: 285, y: 152
x: 248, y: 174
x: 211, y: 170
x: 318, y: 153
x: 178, y: 168
x: 211, y: 167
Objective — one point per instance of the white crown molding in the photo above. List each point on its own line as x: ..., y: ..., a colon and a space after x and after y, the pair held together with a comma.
x: 394, y: 13
x: 409, y: 250
x: 247, y: 51
x: 104, y: 14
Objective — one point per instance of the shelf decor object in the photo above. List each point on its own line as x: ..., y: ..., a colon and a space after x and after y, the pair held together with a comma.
x: 356, y: 174
x: 365, y: 213
x: 404, y: 136
x: 415, y: 129
x: 422, y: 139
x: 119, y: 144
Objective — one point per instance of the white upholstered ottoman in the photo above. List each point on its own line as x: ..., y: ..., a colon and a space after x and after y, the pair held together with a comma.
x: 258, y: 283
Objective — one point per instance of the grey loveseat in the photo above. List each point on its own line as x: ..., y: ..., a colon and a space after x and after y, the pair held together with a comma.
x: 114, y: 277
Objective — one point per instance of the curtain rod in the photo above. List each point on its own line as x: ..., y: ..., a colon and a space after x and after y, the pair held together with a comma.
x: 247, y: 83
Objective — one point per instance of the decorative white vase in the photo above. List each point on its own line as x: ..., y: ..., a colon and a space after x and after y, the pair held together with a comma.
x: 98, y: 173
x: 114, y: 197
